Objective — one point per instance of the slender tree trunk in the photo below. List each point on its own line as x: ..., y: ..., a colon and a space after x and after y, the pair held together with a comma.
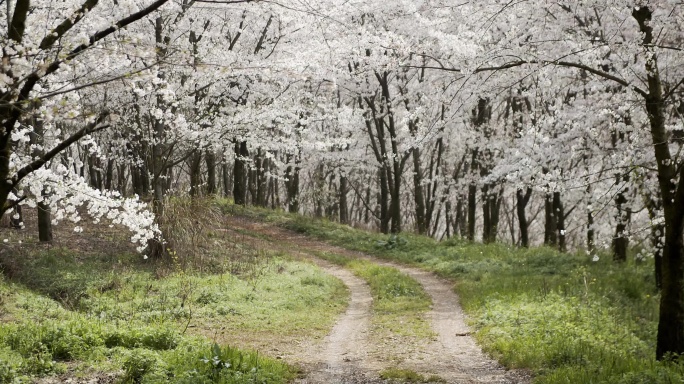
x: 44, y: 214
x: 559, y: 213
x: 491, y: 203
x: 654, y: 205
x: 395, y: 206
x: 447, y: 219
x: 16, y: 214
x: 620, y: 239
x: 384, y: 202
x: 522, y: 199
x: 226, y: 179
x: 344, y: 210
x: 121, y: 180
x: 550, y: 223
x: 109, y: 175
x: 486, y: 215
x: 418, y: 197
x: 292, y: 184
x: 240, y: 173
x: 261, y: 179
x: 472, y: 206
x: 196, y: 173
x: 591, y: 233
x: 210, y: 159
x: 367, y: 212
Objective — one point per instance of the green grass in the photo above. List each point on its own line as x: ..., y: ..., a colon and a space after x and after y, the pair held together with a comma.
x: 562, y: 316
x: 89, y: 315
x: 399, y: 302
x: 408, y: 376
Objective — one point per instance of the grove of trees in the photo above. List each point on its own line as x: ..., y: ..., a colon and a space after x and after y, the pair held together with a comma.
x: 556, y: 123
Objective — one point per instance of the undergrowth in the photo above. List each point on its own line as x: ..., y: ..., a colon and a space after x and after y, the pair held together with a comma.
x: 408, y: 376
x: 85, y: 315
x: 564, y: 317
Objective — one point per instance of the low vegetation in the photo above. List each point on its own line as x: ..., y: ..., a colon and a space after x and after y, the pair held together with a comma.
x: 566, y: 318
x: 399, y: 301
x: 408, y: 376
x: 84, y: 314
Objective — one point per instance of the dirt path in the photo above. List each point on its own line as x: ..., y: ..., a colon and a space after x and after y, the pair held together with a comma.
x: 347, y: 355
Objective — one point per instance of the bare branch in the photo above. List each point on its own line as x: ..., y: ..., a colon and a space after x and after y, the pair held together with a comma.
x: 520, y: 63
x: 36, y: 164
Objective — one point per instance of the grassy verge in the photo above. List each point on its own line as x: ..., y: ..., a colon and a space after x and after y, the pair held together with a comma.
x: 83, y: 315
x: 399, y: 301
x: 563, y: 316
x: 408, y: 376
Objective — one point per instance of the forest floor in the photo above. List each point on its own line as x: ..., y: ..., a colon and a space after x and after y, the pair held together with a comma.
x: 353, y: 352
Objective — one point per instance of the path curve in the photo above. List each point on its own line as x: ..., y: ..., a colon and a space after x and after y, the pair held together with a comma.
x: 345, y: 355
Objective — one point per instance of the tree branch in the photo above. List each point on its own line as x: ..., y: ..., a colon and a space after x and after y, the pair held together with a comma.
x: 67, y: 24
x: 520, y: 63
x: 18, y: 24
x: 88, y: 129
x: 38, y: 74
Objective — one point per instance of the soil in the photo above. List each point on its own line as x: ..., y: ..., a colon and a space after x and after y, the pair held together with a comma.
x: 351, y: 354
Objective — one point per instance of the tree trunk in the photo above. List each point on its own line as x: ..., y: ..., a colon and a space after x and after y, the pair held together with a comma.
x: 653, y: 205
x: 261, y: 179
x: 522, y: 199
x: 486, y: 215
x: 121, y: 180
x: 44, y: 213
x: 210, y: 159
x: 44, y: 223
x: 367, y: 212
x: 550, y: 224
x: 559, y: 213
x: 384, y: 202
x: 109, y: 176
x: 620, y: 240
x: 419, y: 199
x: 670, y: 339
x: 292, y: 184
x: 226, y: 179
x: 240, y: 173
x: 395, y: 206
x: 196, y: 173
x: 472, y: 206
x: 344, y: 210
x: 591, y: 233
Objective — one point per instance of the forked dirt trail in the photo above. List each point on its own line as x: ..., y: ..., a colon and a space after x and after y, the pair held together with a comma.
x: 350, y: 355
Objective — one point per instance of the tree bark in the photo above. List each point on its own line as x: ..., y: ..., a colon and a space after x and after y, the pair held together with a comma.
x: 292, y: 184
x: 196, y: 174
x: 550, y: 224
x: 227, y: 182
x: 210, y: 159
x: 44, y: 213
x: 384, y: 202
x: 344, y: 209
x: 418, y: 197
x: 522, y: 199
x: 559, y: 213
x: 240, y: 173
x: 620, y: 241
x: 670, y: 339
x: 472, y: 206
